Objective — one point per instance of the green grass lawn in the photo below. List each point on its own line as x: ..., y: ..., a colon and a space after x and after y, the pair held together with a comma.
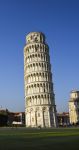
x: 39, y: 139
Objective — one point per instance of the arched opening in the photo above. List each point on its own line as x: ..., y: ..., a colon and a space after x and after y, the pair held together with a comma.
x: 36, y: 67
x: 33, y: 67
x: 31, y: 89
x: 36, y: 76
x: 34, y: 88
x: 41, y: 90
x: 37, y: 88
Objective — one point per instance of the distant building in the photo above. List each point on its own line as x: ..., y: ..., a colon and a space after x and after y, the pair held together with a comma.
x: 40, y: 108
x: 63, y: 119
x: 3, y: 117
x: 74, y: 107
x: 16, y: 118
x: 8, y: 118
x: 19, y: 118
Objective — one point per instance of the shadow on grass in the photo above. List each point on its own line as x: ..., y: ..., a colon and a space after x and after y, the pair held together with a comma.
x: 39, y: 139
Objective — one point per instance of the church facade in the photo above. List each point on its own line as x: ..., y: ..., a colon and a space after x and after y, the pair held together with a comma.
x: 40, y: 108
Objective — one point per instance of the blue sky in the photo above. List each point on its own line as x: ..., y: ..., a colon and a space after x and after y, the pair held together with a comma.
x: 59, y: 20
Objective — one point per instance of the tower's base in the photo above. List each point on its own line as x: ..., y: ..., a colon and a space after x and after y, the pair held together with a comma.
x: 40, y: 117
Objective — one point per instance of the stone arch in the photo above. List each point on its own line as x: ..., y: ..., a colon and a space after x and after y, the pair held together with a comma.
x: 37, y: 87
x: 39, y: 58
x: 43, y: 78
x: 49, y: 99
x: 30, y: 67
x: 31, y: 90
x: 32, y: 46
x: 37, y: 77
x: 27, y: 49
x: 35, y: 57
x: 32, y: 100
x: 32, y: 57
x: 28, y: 59
x: 36, y: 67
x: 41, y: 87
x: 28, y: 78
x: 35, y: 48
x: 45, y: 96
x: 39, y: 101
x: 35, y: 98
x: 42, y: 65
x: 40, y: 48
x: 43, y: 84
x: 49, y: 76
x: 46, y: 87
x: 34, y: 88
x: 44, y: 57
x: 33, y: 66
x: 29, y: 100
x: 45, y: 67
x: 39, y: 66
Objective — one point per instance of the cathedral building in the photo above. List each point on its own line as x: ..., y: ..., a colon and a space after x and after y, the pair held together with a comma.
x: 74, y: 107
x: 40, y: 108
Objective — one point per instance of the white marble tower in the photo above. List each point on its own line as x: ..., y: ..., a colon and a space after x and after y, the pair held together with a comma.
x: 40, y: 108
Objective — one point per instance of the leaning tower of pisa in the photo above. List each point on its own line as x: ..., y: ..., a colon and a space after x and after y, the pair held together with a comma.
x: 40, y: 108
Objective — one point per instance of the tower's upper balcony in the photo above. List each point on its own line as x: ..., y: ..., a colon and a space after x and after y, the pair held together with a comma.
x: 38, y: 37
